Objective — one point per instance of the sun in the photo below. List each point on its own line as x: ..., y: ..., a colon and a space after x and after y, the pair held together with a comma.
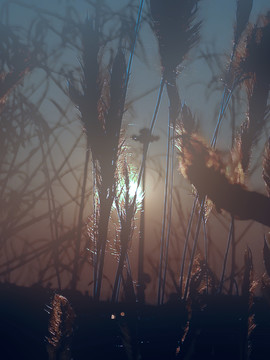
x: 127, y: 184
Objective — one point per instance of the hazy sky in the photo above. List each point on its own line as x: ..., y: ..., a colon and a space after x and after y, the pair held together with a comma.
x: 218, y: 17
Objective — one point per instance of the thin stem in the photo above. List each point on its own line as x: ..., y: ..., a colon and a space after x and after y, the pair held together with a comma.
x: 169, y: 218
x: 226, y: 257
x: 194, y: 249
x: 80, y: 223
x: 138, y: 21
x: 140, y: 292
x: 186, y: 244
x: 164, y: 214
x: 103, y: 239
x: 233, y: 247
x: 153, y: 122
x: 205, y: 250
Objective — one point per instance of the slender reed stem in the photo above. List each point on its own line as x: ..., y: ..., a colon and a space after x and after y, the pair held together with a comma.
x: 105, y: 222
x: 227, y: 94
x: 169, y: 218
x: 186, y: 244
x: 119, y: 273
x: 164, y: 214
x: 51, y: 208
x: 140, y: 292
x: 194, y: 248
x: 233, y: 265
x: 105, y: 211
x: 136, y: 31
x: 95, y: 261
x: 231, y: 232
x: 205, y: 250
x: 80, y: 223
x: 153, y: 122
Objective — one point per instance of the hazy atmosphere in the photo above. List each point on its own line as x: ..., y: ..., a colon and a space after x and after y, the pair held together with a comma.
x: 135, y: 154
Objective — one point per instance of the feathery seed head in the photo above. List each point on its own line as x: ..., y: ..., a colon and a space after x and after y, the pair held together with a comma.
x: 255, y: 58
x: 61, y: 321
x: 174, y: 29
x: 113, y: 119
x: 243, y: 11
x: 193, y: 150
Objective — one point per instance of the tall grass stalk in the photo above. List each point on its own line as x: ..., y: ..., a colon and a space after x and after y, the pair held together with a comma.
x: 194, y: 247
x: 230, y: 237
x: 126, y: 209
x: 176, y: 34
x: 151, y: 128
x: 242, y: 16
x: 170, y: 208
x: 164, y: 222
x: 75, y: 273
x: 205, y: 250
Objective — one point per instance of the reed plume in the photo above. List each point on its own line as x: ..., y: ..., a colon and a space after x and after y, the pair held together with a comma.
x: 243, y: 11
x: 101, y: 114
x: 173, y: 24
x: 206, y: 171
x: 253, y: 65
x: 174, y: 28
x: 176, y: 34
x: 61, y: 322
x: 126, y: 205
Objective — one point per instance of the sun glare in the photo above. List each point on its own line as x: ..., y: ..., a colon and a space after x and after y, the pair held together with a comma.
x: 128, y: 183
